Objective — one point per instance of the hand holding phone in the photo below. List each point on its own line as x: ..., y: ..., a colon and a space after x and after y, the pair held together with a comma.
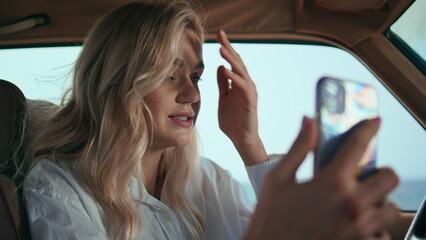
x: 340, y: 106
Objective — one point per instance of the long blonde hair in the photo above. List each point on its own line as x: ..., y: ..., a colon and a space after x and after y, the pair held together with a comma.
x: 104, y: 127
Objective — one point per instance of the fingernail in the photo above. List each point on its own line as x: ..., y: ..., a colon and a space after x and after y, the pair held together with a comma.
x: 229, y: 71
x: 222, y: 32
x: 377, y: 120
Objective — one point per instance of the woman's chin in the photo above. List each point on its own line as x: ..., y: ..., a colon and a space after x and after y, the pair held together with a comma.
x: 184, y: 141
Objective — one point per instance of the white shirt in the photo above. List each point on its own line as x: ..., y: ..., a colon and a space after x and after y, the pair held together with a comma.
x: 60, y: 205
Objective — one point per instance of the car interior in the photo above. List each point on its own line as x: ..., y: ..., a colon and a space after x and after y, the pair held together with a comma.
x: 361, y: 28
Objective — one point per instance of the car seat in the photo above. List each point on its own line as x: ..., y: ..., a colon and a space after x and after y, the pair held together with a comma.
x: 13, y: 166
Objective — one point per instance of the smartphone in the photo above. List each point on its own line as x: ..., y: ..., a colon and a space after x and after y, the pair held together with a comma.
x: 340, y: 106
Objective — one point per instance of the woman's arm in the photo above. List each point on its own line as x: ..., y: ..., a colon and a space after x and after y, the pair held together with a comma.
x: 258, y: 172
x: 238, y: 106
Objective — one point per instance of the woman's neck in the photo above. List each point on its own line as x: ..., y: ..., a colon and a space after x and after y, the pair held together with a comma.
x: 150, y: 169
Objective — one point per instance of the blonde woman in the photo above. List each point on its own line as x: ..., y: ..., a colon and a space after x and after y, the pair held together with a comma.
x: 118, y: 160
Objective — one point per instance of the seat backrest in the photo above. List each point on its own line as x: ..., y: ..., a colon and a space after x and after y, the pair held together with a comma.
x: 12, y: 162
x: 9, y: 209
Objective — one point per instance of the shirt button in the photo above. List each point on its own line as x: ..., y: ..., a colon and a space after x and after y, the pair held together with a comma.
x: 167, y: 218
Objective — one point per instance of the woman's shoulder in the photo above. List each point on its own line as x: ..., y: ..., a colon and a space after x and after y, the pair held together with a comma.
x: 58, y: 182
x: 55, y: 195
x: 55, y: 179
x: 48, y: 171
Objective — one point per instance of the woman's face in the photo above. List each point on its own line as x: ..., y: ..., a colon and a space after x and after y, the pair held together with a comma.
x: 176, y: 103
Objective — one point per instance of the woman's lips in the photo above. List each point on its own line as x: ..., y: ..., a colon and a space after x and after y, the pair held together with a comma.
x: 182, y: 121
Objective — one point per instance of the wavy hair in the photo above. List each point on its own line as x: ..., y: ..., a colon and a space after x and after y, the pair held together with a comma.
x: 103, y: 128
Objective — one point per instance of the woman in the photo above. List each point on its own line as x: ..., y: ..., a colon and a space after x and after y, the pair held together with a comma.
x: 119, y: 159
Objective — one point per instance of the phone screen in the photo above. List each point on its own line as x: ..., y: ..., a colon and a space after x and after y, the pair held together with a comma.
x: 340, y: 105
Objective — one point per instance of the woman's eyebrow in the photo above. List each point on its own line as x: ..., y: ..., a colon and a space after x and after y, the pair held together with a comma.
x: 179, y: 62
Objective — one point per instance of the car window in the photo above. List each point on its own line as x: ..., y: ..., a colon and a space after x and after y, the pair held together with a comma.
x: 41, y: 73
x: 285, y: 75
x: 409, y: 33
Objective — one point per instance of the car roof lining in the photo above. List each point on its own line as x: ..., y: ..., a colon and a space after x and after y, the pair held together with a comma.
x: 243, y: 18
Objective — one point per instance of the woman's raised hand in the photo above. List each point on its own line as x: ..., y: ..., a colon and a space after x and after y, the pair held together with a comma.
x: 238, y: 105
x: 334, y: 204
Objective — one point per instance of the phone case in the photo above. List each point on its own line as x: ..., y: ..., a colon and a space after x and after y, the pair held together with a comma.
x: 340, y: 106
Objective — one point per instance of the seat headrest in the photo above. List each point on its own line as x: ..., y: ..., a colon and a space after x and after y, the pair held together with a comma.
x: 20, y: 120
x: 12, y: 114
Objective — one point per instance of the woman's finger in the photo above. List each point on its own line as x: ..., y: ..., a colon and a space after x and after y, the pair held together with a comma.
x: 374, y: 189
x: 222, y: 82
x: 237, y: 82
x: 375, y: 219
x: 224, y: 41
x: 345, y: 161
x: 231, y: 56
x: 236, y: 64
x: 304, y: 143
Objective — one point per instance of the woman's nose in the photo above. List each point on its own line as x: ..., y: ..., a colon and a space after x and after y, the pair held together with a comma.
x: 189, y: 93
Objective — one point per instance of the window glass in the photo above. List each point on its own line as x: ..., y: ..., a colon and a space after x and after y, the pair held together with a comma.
x: 40, y: 73
x: 411, y: 28
x: 285, y: 75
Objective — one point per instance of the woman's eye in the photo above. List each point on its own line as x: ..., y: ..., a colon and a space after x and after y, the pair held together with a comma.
x: 196, y: 78
x: 170, y: 78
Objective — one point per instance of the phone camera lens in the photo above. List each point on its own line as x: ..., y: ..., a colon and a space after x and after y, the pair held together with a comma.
x: 334, y: 97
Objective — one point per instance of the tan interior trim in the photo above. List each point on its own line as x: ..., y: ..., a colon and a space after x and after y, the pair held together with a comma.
x: 403, y: 79
x: 347, y: 29
x: 41, y: 40
x: 265, y: 37
x: 209, y: 37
